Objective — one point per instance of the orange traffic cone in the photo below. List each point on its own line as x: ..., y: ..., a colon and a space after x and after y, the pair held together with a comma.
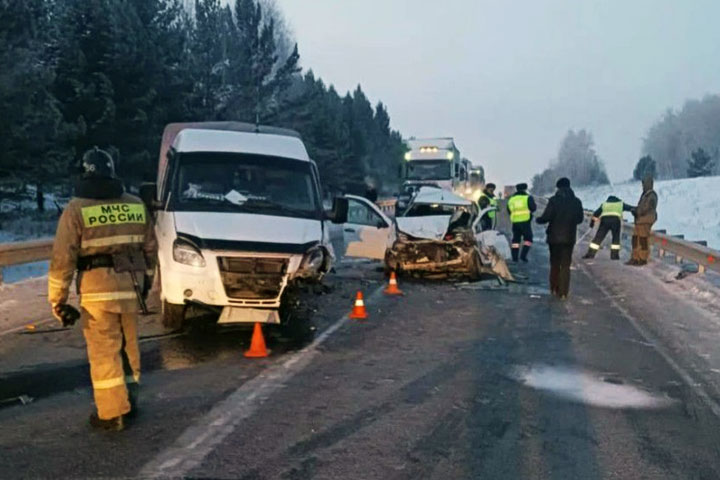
x: 358, y: 311
x: 392, y: 288
x: 257, y: 344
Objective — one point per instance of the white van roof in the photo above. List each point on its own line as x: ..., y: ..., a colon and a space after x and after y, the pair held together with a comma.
x: 207, y: 140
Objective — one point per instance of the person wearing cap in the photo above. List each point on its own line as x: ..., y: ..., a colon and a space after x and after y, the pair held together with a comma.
x: 564, y: 212
x: 488, y: 200
x: 105, y: 235
x: 645, y: 216
x: 521, y: 206
x: 609, y: 214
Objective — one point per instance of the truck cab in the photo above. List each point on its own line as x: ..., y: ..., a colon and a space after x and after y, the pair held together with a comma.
x: 434, y: 161
x: 239, y: 220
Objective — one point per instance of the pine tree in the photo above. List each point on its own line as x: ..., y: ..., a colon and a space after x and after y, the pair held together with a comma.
x: 258, y: 76
x: 701, y: 164
x: 31, y: 150
x: 82, y: 84
x: 208, y: 58
x: 645, y: 167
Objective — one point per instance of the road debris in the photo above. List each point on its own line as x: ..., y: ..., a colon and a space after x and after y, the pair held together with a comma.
x: 22, y: 399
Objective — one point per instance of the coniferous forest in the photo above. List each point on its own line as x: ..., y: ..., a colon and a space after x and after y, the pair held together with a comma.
x: 113, y: 73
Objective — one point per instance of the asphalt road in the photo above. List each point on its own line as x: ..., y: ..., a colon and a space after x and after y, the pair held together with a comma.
x: 449, y: 381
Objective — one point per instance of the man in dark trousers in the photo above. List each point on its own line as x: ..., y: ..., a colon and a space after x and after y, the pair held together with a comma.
x: 564, y: 212
x: 521, y: 206
x: 610, y: 216
x: 488, y: 199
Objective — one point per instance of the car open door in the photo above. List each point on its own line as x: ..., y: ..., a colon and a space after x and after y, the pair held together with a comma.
x: 367, y: 232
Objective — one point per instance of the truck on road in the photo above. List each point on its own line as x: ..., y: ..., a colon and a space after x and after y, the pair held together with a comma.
x: 435, y: 161
x: 432, y: 162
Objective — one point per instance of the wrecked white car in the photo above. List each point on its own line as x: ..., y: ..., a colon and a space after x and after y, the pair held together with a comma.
x: 435, y: 237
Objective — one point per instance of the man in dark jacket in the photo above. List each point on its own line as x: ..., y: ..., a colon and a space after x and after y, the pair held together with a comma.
x: 610, y: 215
x: 645, y: 216
x: 521, y: 206
x: 564, y: 212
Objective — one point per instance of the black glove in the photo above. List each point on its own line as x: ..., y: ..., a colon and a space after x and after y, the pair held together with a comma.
x: 66, y: 314
x: 147, y: 285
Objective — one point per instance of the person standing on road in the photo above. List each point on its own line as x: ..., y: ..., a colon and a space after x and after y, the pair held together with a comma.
x: 564, y: 212
x: 106, y: 236
x: 610, y: 216
x: 370, y: 190
x: 521, y: 206
x: 645, y: 216
x: 488, y: 199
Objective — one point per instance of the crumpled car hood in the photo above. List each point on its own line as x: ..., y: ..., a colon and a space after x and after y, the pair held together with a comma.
x: 432, y: 228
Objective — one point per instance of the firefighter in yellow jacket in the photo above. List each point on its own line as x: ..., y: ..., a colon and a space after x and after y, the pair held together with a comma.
x: 105, y: 235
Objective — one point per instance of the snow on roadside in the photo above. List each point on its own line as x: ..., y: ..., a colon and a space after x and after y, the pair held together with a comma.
x: 688, y: 206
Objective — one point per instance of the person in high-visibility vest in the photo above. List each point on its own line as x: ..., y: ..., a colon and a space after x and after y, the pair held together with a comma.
x: 106, y: 236
x: 488, y: 199
x: 521, y: 206
x: 610, y: 216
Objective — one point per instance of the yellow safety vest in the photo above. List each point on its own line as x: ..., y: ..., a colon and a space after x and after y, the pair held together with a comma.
x: 612, y: 209
x: 519, y: 206
x: 492, y: 202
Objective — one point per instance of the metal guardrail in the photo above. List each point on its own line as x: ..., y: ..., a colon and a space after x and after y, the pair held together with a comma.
x: 706, y: 258
x: 694, y: 252
x: 387, y: 206
x: 17, y: 253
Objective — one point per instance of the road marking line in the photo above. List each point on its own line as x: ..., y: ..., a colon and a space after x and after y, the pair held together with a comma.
x: 201, y: 438
x: 695, y: 386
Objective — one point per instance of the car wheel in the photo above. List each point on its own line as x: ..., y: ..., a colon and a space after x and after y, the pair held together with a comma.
x: 173, y: 316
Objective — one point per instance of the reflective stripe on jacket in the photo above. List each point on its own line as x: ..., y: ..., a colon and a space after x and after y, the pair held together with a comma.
x: 519, y: 208
x: 100, y: 227
x: 612, y: 209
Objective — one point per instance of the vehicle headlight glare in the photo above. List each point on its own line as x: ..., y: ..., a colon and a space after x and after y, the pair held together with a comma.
x: 187, y: 254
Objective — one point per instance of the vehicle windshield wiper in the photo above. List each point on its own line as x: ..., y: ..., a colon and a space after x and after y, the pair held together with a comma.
x: 256, y: 202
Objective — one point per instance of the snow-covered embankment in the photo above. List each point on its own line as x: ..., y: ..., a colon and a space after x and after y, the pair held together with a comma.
x: 689, y: 206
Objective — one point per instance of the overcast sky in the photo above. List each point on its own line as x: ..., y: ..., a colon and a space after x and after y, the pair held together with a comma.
x: 508, y: 78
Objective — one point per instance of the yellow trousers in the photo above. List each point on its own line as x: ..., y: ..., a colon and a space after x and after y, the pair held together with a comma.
x: 114, y: 355
x: 641, y: 242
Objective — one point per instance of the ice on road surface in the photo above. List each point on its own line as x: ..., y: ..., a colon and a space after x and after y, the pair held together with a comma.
x: 587, y: 388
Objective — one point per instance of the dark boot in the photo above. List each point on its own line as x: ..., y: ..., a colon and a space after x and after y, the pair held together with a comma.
x: 614, y: 254
x: 631, y: 262
x: 133, y: 393
x: 515, y: 253
x: 590, y: 253
x: 112, y: 425
x: 524, y: 253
